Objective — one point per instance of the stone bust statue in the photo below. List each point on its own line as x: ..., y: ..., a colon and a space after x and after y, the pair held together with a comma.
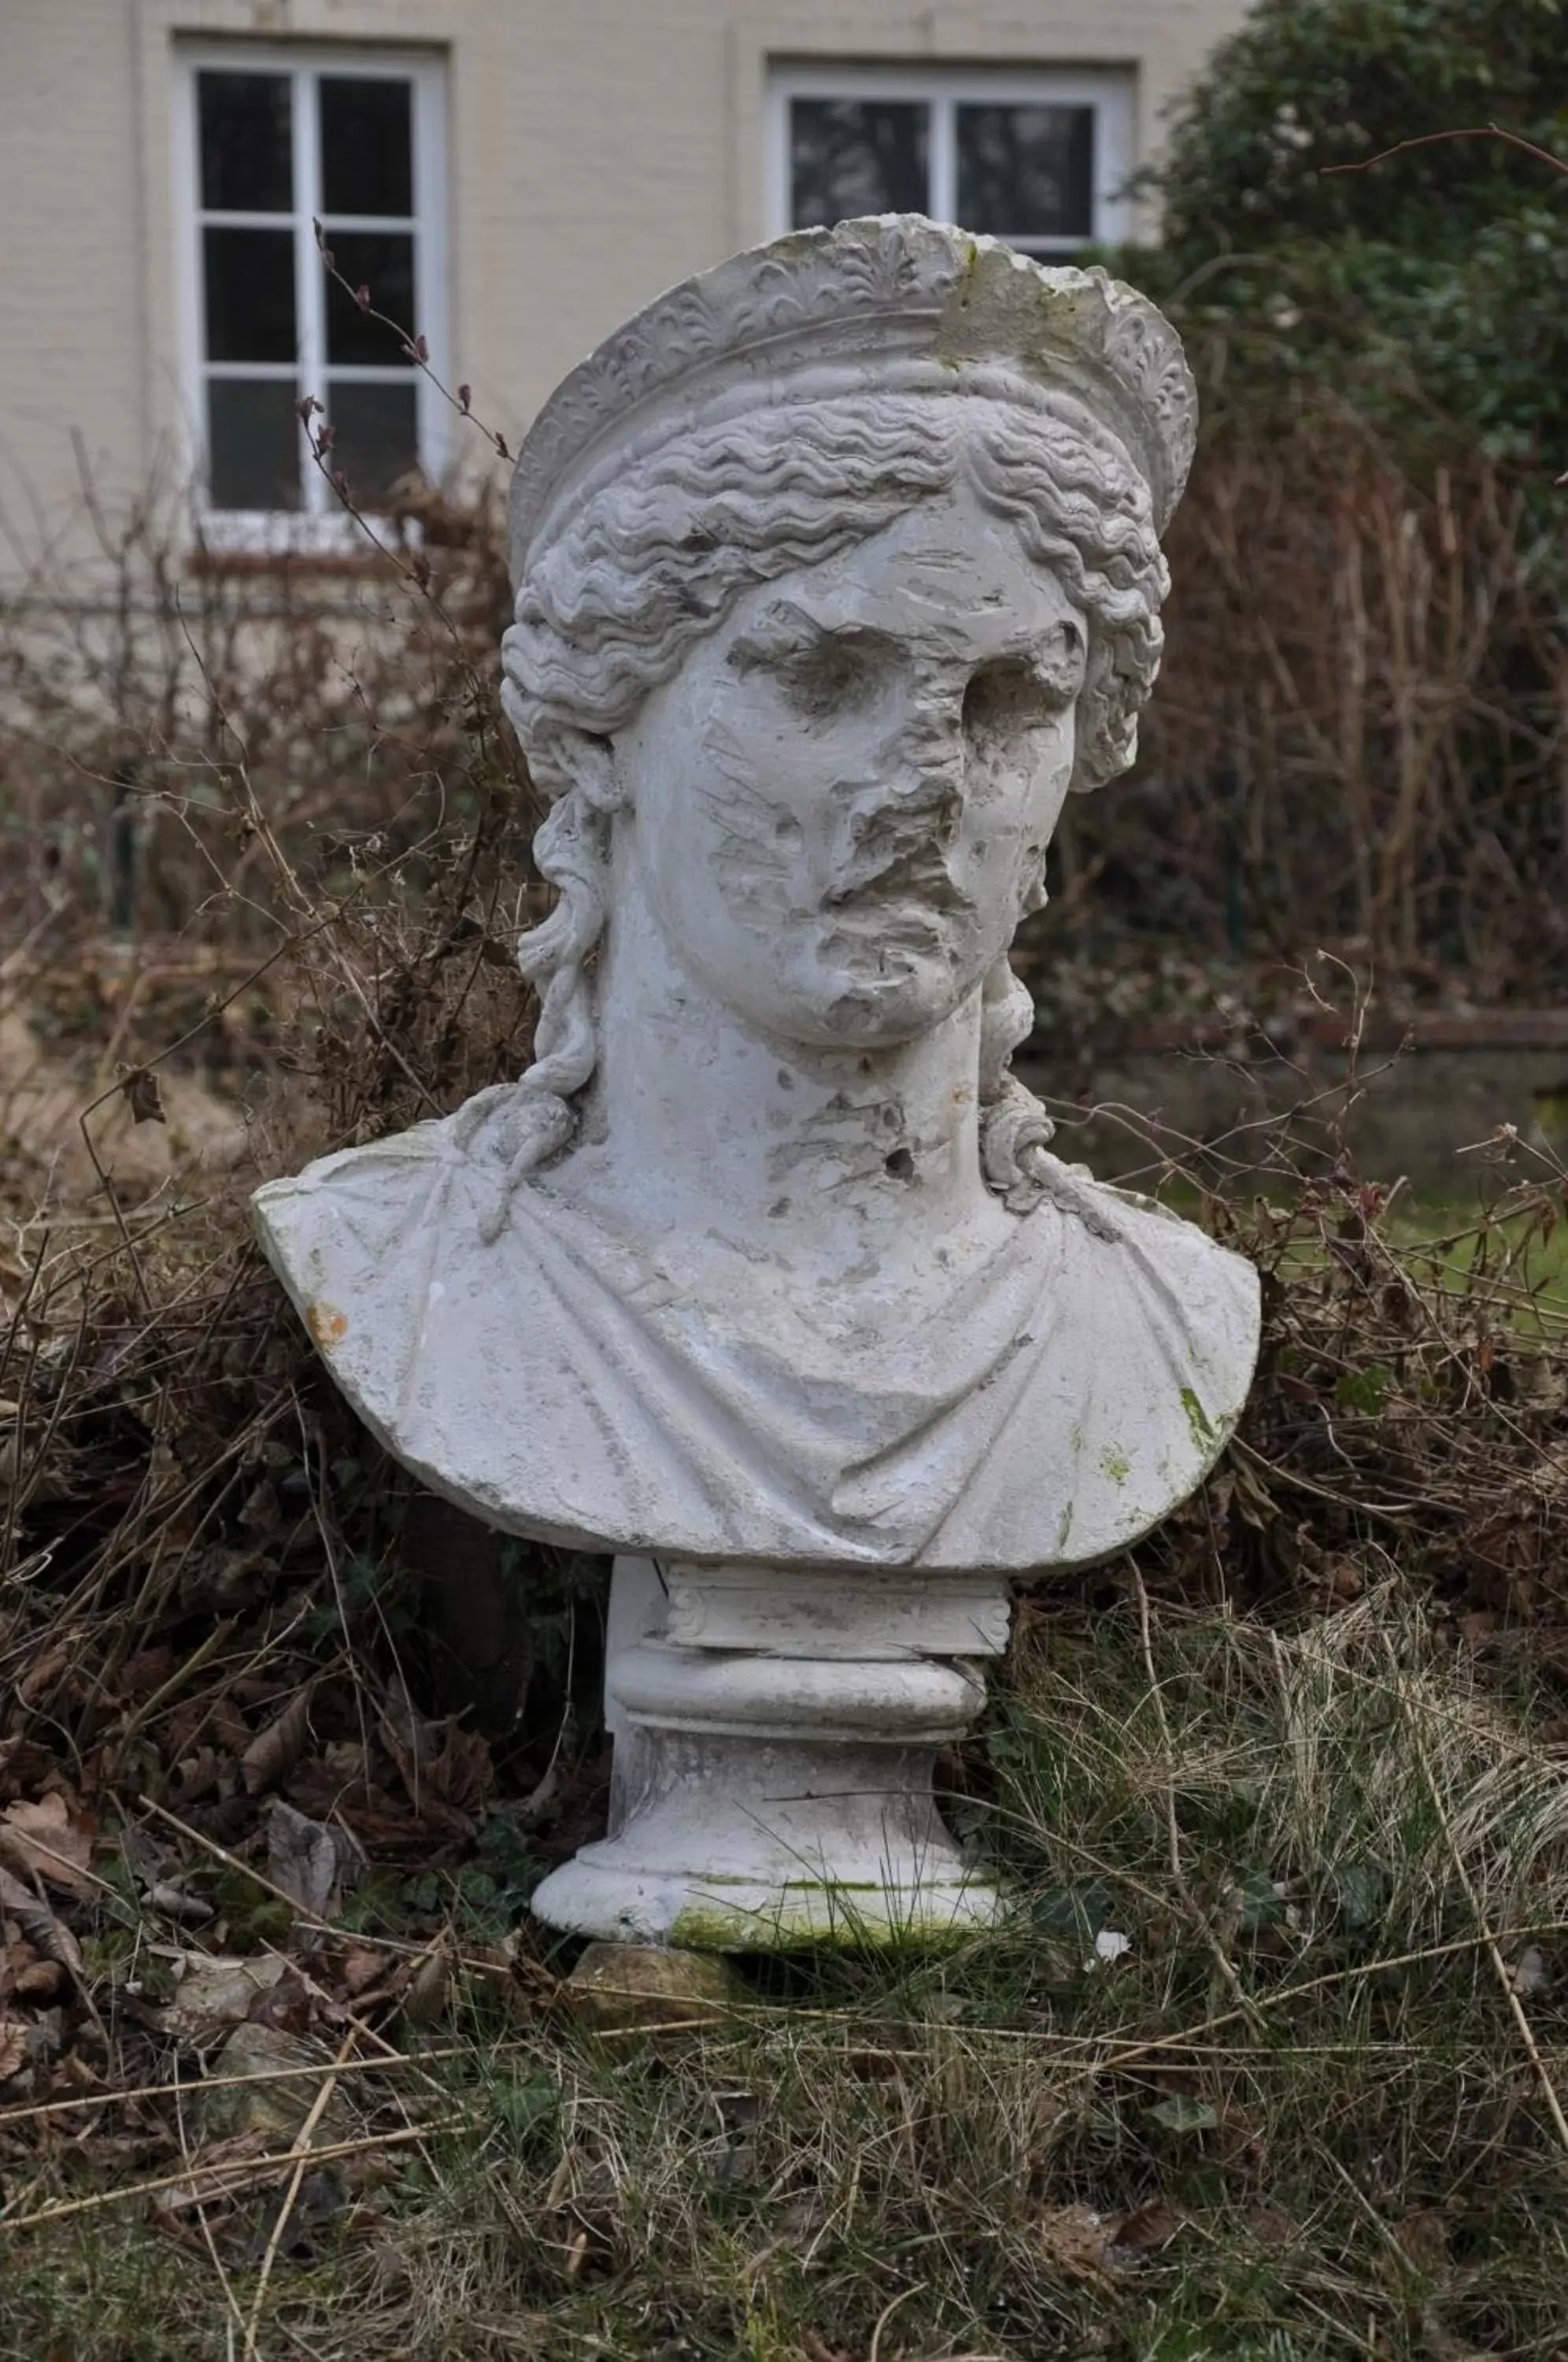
x: 836, y: 571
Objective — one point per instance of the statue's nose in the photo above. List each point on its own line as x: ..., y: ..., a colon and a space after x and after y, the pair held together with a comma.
x: 922, y: 795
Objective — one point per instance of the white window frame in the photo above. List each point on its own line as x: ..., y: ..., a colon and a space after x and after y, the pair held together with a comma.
x: 321, y: 525
x: 1109, y: 90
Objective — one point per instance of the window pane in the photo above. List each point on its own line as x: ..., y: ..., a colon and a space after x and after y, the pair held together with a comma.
x: 382, y: 261
x: 376, y: 437
x: 366, y: 145
x: 850, y: 156
x: 249, y: 287
x: 1026, y: 171
x: 247, y: 142
x: 252, y: 443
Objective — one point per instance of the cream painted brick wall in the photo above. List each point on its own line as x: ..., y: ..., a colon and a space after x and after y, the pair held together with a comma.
x: 599, y: 150
x: 73, y: 264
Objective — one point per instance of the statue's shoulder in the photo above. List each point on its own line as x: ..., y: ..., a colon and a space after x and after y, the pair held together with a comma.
x: 1115, y: 1217
x: 357, y: 1236
x: 1156, y: 1291
x: 387, y: 1185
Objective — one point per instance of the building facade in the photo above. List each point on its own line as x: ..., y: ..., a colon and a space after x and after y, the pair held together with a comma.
x: 503, y: 180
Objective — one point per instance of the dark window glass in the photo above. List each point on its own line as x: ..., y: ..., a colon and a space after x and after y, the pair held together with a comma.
x: 247, y: 142
x: 382, y: 261
x: 367, y: 145
x: 850, y: 156
x: 376, y: 437
x: 1026, y: 171
x: 249, y: 282
x: 252, y: 443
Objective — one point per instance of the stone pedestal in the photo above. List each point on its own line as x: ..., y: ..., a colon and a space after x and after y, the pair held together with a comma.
x: 775, y: 1736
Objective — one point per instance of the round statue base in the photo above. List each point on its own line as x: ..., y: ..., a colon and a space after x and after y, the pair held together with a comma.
x: 776, y: 1734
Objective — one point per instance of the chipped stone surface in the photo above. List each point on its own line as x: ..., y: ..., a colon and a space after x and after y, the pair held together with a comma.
x: 836, y: 571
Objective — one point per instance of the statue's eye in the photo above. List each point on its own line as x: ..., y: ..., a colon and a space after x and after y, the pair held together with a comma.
x: 821, y: 672
x: 1003, y: 699
x: 832, y: 670
x: 1025, y: 692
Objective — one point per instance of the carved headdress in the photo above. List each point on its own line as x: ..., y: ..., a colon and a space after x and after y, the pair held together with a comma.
x: 893, y: 303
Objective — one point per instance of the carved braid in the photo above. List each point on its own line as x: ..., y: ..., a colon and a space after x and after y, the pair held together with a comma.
x: 571, y: 849
x: 608, y: 610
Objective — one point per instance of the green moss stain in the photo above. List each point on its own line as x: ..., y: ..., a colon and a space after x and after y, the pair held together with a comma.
x: 1204, y: 1433
x: 838, y: 1916
x: 1116, y: 1464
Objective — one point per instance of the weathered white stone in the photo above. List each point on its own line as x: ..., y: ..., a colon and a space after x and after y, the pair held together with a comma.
x: 836, y: 570
x: 770, y: 1790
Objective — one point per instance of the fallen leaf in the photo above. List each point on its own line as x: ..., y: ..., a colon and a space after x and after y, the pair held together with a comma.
x: 13, y: 2048
x: 175, y: 1903
x: 303, y: 1859
x: 360, y: 1968
x: 44, y: 1839
x: 1531, y: 1976
x: 217, y: 1990
x: 426, y: 1995
x: 39, y: 1923
x: 1181, y: 2113
x: 1148, y: 2228
x: 39, y: 1980
x: 462, y: 1773
x: 277, y: 1748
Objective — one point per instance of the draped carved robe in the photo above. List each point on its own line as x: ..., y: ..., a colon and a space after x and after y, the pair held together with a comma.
x: 1044, y: 1411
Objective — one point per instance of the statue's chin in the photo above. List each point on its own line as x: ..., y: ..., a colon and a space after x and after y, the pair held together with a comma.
x: 867, y: 1004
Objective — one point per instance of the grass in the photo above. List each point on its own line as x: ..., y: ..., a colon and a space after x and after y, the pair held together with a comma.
x: 1498, y: 1242
x: 1530, y: 1258
x: 1299, y: 2115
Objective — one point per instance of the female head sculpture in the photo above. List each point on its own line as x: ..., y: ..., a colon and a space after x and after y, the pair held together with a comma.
x: 835, y: 570
x: 763, y: 422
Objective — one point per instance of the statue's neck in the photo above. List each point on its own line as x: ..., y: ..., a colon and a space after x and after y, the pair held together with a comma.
x: 842, y: 1165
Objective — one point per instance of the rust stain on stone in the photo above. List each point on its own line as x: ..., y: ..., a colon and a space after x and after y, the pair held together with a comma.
x: 326, y: 1324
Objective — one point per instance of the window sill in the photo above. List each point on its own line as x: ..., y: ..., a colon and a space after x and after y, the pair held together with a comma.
x: 252, y: 542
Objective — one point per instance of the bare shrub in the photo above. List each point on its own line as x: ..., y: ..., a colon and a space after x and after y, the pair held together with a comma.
x: 1360, y: 736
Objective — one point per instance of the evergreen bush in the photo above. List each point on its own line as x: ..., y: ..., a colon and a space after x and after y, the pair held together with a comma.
x: 1426, y: 290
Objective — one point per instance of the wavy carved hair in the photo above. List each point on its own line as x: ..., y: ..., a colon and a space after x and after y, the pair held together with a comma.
x: 656, y: 558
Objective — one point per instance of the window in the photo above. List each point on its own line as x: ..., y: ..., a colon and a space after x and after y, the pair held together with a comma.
x: 272, y: 145
x: 1034, y: 159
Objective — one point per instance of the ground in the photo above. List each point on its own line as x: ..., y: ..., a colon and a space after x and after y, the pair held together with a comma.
x: 1271, y: 2061
x: 1268, y: 2065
